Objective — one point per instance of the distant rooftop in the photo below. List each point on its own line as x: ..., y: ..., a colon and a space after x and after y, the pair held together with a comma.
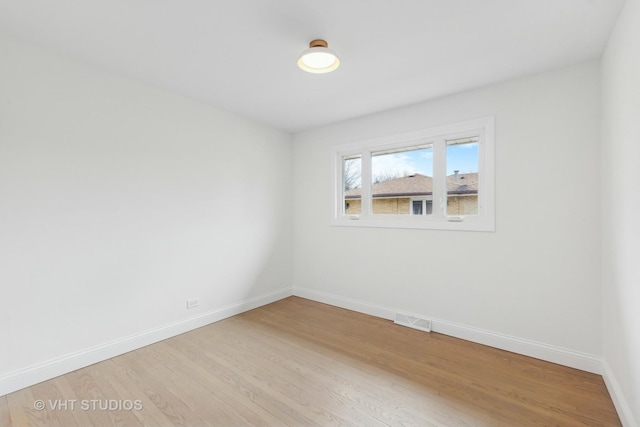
x: 419, y: 185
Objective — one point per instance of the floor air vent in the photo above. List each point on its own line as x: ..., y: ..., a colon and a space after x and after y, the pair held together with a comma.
x: 413, y: 322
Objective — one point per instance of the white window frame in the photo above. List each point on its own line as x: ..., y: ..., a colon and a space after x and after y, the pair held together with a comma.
x: 484, y: 128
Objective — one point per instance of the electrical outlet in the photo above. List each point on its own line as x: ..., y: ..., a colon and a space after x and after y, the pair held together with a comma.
x: 193, y: 303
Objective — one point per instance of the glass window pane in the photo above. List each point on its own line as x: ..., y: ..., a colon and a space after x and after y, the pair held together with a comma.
x: 462, y: 176
x: 429, y: 207
x: 352, y: 185
x: 417, y: 207
x: 398, y: 175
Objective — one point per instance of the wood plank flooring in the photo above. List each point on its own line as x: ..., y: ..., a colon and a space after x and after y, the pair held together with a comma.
x: 300, y: 363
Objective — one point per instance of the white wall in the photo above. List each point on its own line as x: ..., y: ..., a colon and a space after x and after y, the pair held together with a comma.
x: 117, y: 203
x: 621, y: 208
x: 536, y: 279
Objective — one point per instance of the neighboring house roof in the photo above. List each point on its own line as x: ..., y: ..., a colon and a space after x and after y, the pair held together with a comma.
x: 419, y: 185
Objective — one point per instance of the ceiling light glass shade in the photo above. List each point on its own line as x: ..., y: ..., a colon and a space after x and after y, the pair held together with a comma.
x: 318, y: 58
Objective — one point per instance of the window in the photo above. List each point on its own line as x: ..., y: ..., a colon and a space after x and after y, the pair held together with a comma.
x: 440, y: 178
x: 421, y: 206
x: 462, y: 176
x: 351, y: 184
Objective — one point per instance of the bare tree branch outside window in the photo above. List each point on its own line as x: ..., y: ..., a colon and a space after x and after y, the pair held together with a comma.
x: 351, y: 173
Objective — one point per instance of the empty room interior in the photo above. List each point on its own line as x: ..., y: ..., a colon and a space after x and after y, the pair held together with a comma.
x: 319, y: 213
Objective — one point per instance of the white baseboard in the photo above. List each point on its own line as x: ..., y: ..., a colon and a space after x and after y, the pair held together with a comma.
x: 348, y: 303
x: 550, y: 353
x: 34, y: 374
x: 619, y: 401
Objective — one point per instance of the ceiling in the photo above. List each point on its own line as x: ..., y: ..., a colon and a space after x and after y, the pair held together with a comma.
x: 240, y: 55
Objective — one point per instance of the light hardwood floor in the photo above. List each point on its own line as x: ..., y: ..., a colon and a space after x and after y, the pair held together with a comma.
x: 301, y: 363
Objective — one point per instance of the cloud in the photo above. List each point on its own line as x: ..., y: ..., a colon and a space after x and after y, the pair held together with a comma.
x: 405, y: 163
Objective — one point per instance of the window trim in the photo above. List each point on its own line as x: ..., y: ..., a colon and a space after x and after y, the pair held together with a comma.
x: 438, y: 220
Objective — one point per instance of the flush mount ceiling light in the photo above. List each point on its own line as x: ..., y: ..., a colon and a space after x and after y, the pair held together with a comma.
x: 318, y: 58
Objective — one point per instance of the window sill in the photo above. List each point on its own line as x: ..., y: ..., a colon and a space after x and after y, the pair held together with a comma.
x: 458, y: 223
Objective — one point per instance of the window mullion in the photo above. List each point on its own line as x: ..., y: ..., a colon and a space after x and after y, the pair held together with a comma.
x: 366, y: 183
x: 439, y: 178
